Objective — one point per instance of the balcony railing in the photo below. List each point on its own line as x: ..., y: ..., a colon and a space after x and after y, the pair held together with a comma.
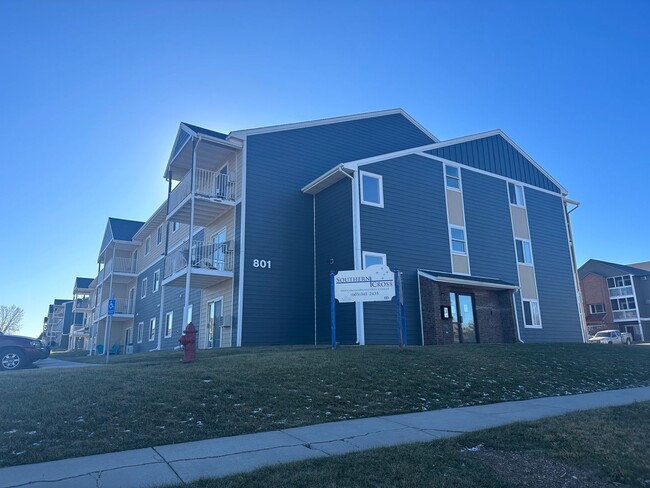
x: 122, y: 306
x: 119, y: 265
x: 208, y: 184
x: 82, y: 303
x: 217, y: 257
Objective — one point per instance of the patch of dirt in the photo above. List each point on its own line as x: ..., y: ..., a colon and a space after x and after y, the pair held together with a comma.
x: 534, y: 470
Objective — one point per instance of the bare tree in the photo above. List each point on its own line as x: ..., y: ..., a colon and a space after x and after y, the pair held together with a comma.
x: 11, y: 319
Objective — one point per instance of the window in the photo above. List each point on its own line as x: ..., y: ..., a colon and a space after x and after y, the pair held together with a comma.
x: 190, y: 312
x: 624, y: 308
x: 524, y: 254
x: 169, y: 320
x: 516, y: 194
x: 452, y: 177
x: 372, y: 192
x: 458, y: 240
x: 175, y: 226
x: 156, y: 280
x: 159, y: 235
x: 140, y: 331
x: 620, y: 286
x: 147, y: 245
x: 597, y: 308
x: 532, y: 317
x: 372, y: 258
x: 143, y: 290
x: 152, y: 329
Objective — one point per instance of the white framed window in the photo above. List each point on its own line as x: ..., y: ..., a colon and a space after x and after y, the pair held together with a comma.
x: 458, y: 241
x: 524, y: 254
x: 452, y: 177
x: 372, y: 189
x: 624, y: 308
x: 190, y: 312
x: 175, y: 226
x: 152, y: 329
x: 532, y: 316
x: 597, y: 308
x: 169, y: 321
x: 516, y: 194
x: 372, y: 258
x: 156, y: 280
x: 140, y: 332
x: 147, y: 245
x: 159, y: 235
x: 143, y: 289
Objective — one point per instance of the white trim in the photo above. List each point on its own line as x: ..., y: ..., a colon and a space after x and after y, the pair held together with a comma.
x: 467, y: 282
x: 332, y: 120
x: 365, y: 254
x: 143, y: 287
x: 451, y: 244
x: 154, y: 320
x: 638, y: 310
x: 159, y: 235
x: 523, y: 248
x: 242, y: 244
x: 147, y: 245
x: 358, y: 259
x: 140, y: 336
x: 171, y: 328
x: 523, y: 195
x: 460, y: 183
x: 380, y: 180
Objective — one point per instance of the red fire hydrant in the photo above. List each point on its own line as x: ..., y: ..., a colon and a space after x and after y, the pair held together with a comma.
x: 188, y: 341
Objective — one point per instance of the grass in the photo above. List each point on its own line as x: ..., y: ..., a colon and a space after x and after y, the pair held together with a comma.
x: 597, y: 448
x: 152, y: 399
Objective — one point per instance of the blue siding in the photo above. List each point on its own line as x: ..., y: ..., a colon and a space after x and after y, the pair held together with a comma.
x: 279, y: 217
x: 495, y: 155
x: 553, y: 271
x: 235, y: 298
x: 334, y: 241
x: 175, y: 302
x: 490, y: 242
x: 147, y: 308
x: 411, y: 230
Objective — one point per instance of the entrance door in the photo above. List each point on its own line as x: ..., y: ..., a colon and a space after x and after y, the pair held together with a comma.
x: 219, y: 254
x: 462, y: 313
x: 215, y: 312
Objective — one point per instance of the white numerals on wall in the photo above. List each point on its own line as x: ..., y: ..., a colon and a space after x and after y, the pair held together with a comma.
x: 262, y: 263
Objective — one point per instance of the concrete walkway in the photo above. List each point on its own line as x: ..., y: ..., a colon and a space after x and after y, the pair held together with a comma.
x: 183, y: 463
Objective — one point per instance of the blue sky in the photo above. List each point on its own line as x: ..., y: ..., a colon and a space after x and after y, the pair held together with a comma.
x: 93, y: 92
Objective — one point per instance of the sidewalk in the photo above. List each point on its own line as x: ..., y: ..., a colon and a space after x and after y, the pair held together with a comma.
x: 183, y: 463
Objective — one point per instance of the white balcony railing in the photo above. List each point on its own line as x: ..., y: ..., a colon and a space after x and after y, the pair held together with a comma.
x: 119, y: 265
x: 217, y: 257
x: 122, y: 306
x: 208, y: 184
x: 82, y: 303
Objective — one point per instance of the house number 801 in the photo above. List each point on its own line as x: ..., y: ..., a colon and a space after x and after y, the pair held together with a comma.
x: 261, y: 263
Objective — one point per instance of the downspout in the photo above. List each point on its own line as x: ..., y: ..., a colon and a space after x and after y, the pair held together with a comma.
x: 356, y: 239
x: 164, y: 266
x: 514, y: 316
x: 195, y: 143
x: 574, y: 265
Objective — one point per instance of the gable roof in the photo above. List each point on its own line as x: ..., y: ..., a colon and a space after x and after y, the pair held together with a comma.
x: 206, y: 132
x: 124, y: 230
x: 607, y: 269
x: 331, y: 120
x: 83, y: 283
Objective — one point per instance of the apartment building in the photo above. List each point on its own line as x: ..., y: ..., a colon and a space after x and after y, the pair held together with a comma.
x: 61, y: 318
x: 616, y: 296
x: 82, y: 313
x: 255, y: 221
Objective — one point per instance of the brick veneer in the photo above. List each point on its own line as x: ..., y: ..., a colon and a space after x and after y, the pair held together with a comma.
x: 493, y: 309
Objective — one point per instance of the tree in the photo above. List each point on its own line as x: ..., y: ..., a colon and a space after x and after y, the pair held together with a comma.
x: 11, y: 319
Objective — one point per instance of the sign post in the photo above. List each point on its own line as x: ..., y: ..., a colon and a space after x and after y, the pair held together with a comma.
x: 376, y: 283
x: 110, y: 312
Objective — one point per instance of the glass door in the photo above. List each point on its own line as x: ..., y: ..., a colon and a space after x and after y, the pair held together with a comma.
x: 218, y: 250
x: 463, y: 321
x: 215, y: 311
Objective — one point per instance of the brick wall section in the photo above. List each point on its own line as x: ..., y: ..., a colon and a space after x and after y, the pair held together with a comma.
x: 594, y: 290
x: 494, y: 316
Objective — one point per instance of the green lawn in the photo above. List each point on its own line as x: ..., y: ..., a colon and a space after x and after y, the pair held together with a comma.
x: 152, y: 399
x: 597, y: 448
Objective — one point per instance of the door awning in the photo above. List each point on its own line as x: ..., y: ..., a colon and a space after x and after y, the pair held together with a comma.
x: 464, y: 280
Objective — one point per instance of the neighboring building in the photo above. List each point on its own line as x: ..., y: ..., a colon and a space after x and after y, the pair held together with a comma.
x: 255, y: 221
x: 59, y: 321
x: 616, y: 296
x: 82, y: 310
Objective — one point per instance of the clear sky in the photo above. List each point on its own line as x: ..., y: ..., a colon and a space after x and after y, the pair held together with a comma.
x: 92, y: 93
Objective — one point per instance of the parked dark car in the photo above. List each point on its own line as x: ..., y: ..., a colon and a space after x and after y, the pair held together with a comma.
x: 19, y: 352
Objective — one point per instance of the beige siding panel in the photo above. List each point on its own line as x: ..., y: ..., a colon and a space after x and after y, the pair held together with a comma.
x: 455, y: 208
x: 460, y: 264
x: 182, y: 234
x: 519, y: 222
x: 227, y: 220
x: 527, y: 282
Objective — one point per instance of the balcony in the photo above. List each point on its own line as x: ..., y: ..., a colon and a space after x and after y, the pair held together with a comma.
x: 81, y: 305
x: 211, y: 264
x: 123, y: 308
x: 122, y: 268
x: 214, y: 195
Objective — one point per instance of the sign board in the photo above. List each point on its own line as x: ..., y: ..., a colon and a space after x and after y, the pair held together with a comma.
x: 111, y: 306
x: 374, y: 284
